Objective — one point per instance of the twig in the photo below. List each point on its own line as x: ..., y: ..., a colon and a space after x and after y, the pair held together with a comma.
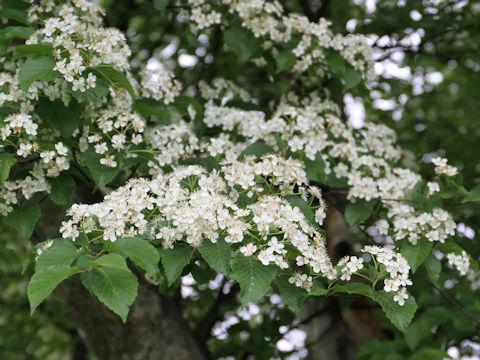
x: 453, y: 302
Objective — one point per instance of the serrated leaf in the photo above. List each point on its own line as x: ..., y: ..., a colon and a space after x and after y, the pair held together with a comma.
x: 62, y: 118
x: 36, y: 68
x: 61, y: 253
x: 62, y: 189
x: 253, y: 277
x: 102, y: 175
x: 31, y: 50
x: 96, y: 94
x: 400, y: 316
x: 174, y: 260
x: 24, y: 218
x: 44, y: 282
x: 449, y: 246
x: 217, y: 255
x: 284, y: 60
x: 258, y: 149
x: 433, y: 267
x: 416, y: 254
x: 317, y: 289
x: 291, y: 294
x: 114, y: 286
x: 115, y: 78
x: 359, y: 211
x: 243, y: 43
x: 355, y: 288
x: 114, y: 261
x: 422, y: 327
x: 6, y: 162
x: 147, y: 107
x: 141, y: 252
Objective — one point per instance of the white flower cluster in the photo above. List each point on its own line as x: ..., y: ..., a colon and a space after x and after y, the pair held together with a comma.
x: 13, y: 191
x: 397, y: 269
x: 92, y: 44
x: 460, y: 262
x: 441, y: 167
x: 192, y: 205
x: 159, y: 84
x: 408, y: 223
x: 267, y: 20
x: 302, y: 281
x: 351, y: 264
x: 223, y: 89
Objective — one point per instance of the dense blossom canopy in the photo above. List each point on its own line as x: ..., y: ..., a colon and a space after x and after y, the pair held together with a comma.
x: 216, y: 169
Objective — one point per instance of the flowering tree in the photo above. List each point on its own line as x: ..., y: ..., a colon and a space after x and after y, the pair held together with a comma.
x: 223, y: 186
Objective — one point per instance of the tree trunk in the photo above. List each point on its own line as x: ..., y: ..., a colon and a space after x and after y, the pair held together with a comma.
x: 154, y: 329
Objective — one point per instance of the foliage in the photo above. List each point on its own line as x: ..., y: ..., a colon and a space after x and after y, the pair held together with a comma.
x: 227, y: 182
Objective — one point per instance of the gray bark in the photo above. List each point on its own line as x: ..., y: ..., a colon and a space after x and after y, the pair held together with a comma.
x: 154, y: 329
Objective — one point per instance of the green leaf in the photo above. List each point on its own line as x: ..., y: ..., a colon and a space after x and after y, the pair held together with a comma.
x: 335, y: 62
x: 63, y: 188
x: 359, y: 211
x: 473, y: 195
x: 31, y: 50
x: 253, y: 277
x: 15, y: 32
x: 117, y: 79
x: 24, y: 218
x: 62, y: 118
x: 114, y: 261
x: 6, y: 162
x: 355, y: 288
x: 243, y: 43
x: 217, y: 255
x: 61, y: 253
x: 416, y: 254
x: 174, y: 260
x: 20, y: 16
x: 112, y: 283
x: 142, y: 253
x: 160, y: 5
x: 317, y: 289
x: 449, y: 246
x: 400, y: 316
x: 102, y: 175
x: 352, y: 78
x: 422, y: 327
x: 96, y: 94
x: 258, y: 149
x: 36, y: 68
x: 284, y: 60
x: 147, y: 107
x: 291, y: 294
x: 428, y: 353
x: 315, y: 169
x: 433, y: 267
x: 44, y: 282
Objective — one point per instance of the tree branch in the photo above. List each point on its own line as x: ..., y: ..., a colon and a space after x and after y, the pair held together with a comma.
x: 451, y: 301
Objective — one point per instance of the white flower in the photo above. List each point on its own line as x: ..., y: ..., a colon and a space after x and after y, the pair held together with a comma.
x: 61, y: 149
